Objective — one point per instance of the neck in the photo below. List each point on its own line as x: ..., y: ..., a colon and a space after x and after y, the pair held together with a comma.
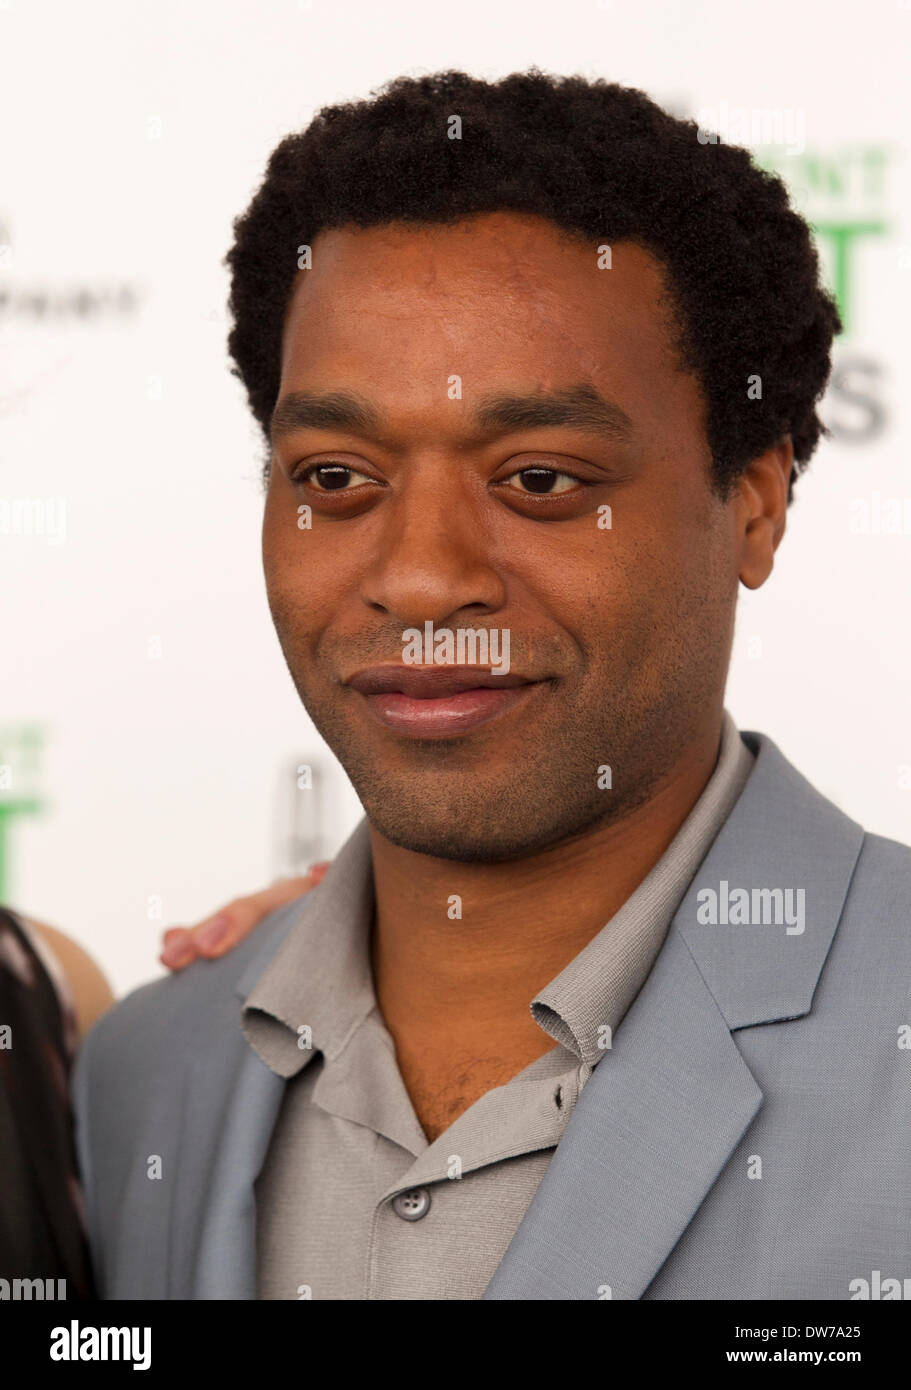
x: 438, y: 976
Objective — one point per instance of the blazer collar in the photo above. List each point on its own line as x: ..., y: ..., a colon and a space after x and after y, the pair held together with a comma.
x: 782, y: 835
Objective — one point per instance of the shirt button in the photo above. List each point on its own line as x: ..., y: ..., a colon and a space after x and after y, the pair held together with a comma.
x: 411, y: 1206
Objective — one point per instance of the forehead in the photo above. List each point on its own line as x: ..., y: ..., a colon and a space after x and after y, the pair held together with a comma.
x: 491, y: 297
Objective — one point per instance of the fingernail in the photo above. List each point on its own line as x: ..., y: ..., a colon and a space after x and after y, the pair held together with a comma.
x: 213, y: 933
x: 177, y: 953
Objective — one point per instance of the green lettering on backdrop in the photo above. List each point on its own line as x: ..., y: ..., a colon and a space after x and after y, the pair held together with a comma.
x: 842, y: 193
x: 20, y: 766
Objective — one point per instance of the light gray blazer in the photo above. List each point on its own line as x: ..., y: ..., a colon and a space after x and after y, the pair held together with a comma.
x: 747, y: 1136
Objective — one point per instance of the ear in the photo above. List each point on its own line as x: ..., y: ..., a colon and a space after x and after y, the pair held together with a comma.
x: 761, y: 504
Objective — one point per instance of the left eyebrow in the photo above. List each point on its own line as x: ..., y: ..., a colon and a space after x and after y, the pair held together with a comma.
x: 579, y: 407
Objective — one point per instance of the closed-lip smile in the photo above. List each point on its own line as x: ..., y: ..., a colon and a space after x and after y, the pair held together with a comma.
x: 438, y: 701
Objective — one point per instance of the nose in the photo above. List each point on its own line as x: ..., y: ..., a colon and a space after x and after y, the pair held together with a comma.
x: 434, y: 556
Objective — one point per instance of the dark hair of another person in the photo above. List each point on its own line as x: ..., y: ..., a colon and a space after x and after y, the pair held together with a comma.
x: 604, y: 163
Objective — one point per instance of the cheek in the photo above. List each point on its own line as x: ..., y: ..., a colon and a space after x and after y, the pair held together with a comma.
x: 288, y: 567
x: 633, y: 589
x: 309, y: 572
x: 277, y: 554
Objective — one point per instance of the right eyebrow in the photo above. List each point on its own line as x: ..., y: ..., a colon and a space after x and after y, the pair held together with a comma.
x: 333, y: 410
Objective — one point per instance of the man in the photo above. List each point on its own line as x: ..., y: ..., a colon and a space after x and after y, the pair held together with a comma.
x: 601, y: 1000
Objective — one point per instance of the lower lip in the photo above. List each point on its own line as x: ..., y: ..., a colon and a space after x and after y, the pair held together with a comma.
x: 450, y: 714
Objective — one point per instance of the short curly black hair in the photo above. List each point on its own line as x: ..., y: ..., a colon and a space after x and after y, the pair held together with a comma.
x: 599, y: 160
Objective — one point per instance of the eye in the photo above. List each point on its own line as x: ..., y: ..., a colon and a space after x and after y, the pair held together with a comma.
x: 542, y: 481
x: 332, y: 477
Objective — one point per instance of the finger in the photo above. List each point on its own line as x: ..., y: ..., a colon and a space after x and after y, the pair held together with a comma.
x: 220, y: 933
x: 178, y: 949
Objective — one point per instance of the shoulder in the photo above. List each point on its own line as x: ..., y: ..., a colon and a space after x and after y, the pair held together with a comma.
x: 865, y: 983
x: 881, y: 884
x: 162, y: 1024
x: 873, y: 938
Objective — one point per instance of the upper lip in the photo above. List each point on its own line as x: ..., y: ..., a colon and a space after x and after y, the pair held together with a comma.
x: 430, y: 682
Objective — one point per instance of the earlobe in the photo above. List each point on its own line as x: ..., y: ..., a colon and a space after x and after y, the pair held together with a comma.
x: 758, y: 553
x: 763, y: 504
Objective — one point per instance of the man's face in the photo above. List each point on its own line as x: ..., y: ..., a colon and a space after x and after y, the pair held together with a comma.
x: 443, y: 504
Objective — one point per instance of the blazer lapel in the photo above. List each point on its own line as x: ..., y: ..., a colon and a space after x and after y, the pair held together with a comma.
x: 224, y: 1260
x: 667, y: 1105
x: 651, y: 1131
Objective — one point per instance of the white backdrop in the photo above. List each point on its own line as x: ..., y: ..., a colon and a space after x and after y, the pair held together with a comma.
x: 145, y: 711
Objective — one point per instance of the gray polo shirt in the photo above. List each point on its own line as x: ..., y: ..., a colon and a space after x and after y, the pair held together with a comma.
x: 352, y: 1201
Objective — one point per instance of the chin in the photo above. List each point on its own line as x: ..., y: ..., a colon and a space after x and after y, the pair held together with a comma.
x: 465, y: 838
x: 455, y: 845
